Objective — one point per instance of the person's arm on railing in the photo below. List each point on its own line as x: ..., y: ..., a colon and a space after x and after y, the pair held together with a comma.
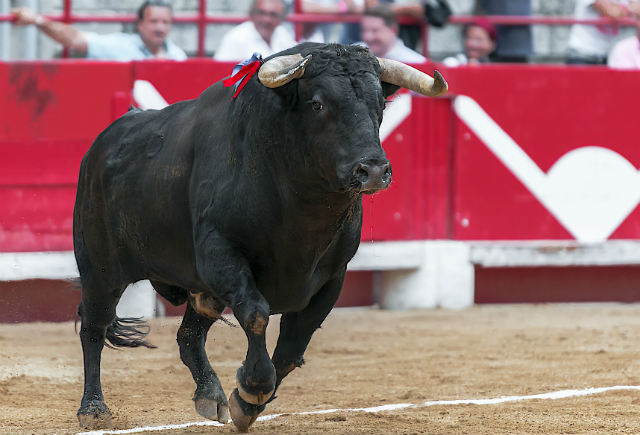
x: 634, y: 9
x: 63, y: 33
x: 611, y: 9
x: 415, y: 10
x: 344, y: 6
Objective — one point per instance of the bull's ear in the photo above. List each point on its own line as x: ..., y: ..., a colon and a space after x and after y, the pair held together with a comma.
x: 389, y: 89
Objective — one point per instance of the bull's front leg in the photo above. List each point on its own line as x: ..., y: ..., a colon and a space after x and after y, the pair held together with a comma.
x: 256, y: 378
x: 229, y: 274
x: 297, y: 328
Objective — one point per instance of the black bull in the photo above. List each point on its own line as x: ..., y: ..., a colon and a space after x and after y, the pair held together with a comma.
x: 252, y: 203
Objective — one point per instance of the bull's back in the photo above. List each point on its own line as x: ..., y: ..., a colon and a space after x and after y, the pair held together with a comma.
x: 131, y: 206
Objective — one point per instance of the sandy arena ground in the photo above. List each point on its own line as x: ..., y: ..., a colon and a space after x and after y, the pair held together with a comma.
x: 360, y: 358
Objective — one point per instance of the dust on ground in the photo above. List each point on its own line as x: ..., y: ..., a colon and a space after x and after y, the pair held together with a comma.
x: 360, y: 358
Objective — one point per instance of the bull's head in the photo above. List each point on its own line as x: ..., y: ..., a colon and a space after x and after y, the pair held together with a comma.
x: 349, y: 126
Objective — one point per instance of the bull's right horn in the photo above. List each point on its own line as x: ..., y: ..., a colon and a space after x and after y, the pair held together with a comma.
x: 399, y: 74
x: 281, y: 70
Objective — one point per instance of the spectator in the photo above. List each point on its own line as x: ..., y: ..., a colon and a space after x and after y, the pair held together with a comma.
x: 514, y: 42
x: 479, y: 39
x: 263, y: 33
x: 432, y: 10
x: 352, y: 31
x: 153, y: 24
x: 380, y: 34
x: 589, y: 44
x: 626, y: 53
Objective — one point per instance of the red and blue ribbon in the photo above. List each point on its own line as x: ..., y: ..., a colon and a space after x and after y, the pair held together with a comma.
x: 243, y: 71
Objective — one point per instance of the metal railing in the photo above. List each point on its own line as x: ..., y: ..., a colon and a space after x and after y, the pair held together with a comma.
x: 201, y: 18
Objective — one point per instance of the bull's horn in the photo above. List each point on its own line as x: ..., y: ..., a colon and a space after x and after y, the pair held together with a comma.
x: 281, y: 70
x: 399, y: 74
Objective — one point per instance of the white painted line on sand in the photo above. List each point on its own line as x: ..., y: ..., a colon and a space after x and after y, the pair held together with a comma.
x: 554, y: 395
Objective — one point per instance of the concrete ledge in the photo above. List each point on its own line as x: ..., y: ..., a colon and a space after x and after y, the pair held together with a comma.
x: 17, y: 266
x: 555, y: 253
x: 388, y: 256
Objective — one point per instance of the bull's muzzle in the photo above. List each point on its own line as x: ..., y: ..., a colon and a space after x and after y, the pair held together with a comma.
x: 371, y: 176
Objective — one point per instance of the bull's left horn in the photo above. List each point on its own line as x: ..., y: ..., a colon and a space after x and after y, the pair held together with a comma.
x: 399, y: 74
x: 281, y: 70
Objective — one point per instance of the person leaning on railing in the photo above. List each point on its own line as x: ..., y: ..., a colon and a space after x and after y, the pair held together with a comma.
x: 436, y: 13
x: 153, y: 24
x: 589, y: 44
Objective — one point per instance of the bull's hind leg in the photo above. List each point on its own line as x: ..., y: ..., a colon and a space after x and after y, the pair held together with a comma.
x: 99, y: 322
x: 202, y: 311
x: 97, y: 311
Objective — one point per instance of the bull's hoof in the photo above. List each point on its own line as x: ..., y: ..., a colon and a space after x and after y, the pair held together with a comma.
x: 243, y: 414
x: 95, y: 415
x: 211, y: 409
x: 253, y: 396
x: 211, y: 402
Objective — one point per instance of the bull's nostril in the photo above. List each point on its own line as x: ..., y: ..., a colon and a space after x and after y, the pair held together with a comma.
x: 362, y: 175
x: 386, y: 177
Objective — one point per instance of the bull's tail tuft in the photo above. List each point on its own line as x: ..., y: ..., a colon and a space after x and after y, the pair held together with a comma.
x: 128, y: 332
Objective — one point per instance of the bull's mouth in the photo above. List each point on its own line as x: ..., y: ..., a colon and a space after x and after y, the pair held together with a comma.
x: 358, y: 188
x: 371, y: 191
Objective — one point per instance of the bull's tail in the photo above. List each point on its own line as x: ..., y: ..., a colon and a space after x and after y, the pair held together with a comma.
x: 128, y: 332
x: 123, y: 332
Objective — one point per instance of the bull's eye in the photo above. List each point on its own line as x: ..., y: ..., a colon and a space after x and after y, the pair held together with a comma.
x: 317, y: 106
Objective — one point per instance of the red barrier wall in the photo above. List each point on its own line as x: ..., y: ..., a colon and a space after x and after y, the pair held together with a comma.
x: 51, y: 113
x: 549, y: 112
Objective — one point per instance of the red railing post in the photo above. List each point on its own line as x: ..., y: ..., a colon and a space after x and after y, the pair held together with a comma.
x: 202, y: 26
x: 297, y: 9
x: 66, y: 17
x: 424, y: 36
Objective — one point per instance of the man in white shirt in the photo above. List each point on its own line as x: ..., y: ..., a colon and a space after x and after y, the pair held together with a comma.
x: 380, y: 34
x: 263, y: 34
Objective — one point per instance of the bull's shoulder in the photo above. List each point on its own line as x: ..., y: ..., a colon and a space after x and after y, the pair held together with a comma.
x: 138, y: 122
x: 144, y: 131
x: 142, y: 144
